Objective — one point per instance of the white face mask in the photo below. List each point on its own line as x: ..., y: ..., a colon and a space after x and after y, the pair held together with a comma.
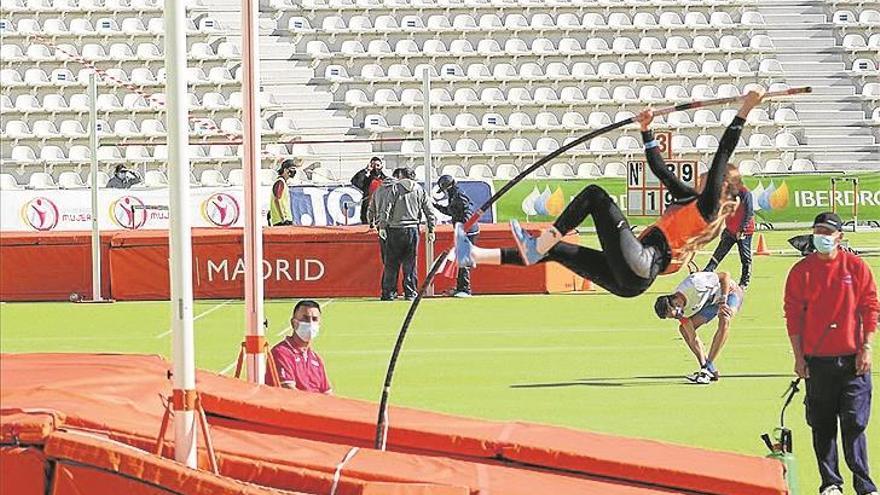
x: 824, y: 243
x: 307, y: 331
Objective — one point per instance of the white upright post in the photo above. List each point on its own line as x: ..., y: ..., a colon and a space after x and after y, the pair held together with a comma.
x: 253, y: 238
x: 429, y: 180
x: 93, y: 173
x: 184, y: 382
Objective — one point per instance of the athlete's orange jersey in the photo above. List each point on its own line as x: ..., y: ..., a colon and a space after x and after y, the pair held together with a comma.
x: 678, y: 224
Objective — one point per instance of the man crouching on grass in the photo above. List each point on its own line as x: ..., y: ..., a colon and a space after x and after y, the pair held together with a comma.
x: 696, y: 301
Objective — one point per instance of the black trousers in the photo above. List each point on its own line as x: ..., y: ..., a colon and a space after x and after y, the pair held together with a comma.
x: 744, y: 246
x: 609, y: 268
x: 627, y: 266
x: 365, y: 206
x: 401, y: 247
x: 463, y: 284
x: 836, y: 394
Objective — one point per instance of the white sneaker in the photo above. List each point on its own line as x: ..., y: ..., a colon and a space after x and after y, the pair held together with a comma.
x: 702, y: 377
x: 832, y: 490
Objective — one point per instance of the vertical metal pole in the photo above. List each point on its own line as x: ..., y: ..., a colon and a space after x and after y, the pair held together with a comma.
x: 855, y: 208
x: 253, y: 232
x: 180, y: 235
x: 93, y: 173
x: 429, y: 180
x: 833, y: 194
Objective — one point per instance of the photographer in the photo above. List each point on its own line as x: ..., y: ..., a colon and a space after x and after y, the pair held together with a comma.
x: 123, y: 178
x: 368, y: 180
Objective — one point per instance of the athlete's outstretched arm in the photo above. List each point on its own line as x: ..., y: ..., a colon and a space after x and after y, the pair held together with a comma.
x: 673, y: 184
x: 708, y: 201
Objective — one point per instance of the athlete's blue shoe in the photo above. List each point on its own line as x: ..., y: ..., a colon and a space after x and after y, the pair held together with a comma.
x: 463, y: 255
x: 527, y: 245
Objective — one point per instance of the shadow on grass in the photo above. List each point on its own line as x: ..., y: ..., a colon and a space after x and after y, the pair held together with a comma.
x: 644, y: 381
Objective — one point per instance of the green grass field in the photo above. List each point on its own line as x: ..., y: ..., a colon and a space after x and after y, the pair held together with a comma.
x: 589, y: 361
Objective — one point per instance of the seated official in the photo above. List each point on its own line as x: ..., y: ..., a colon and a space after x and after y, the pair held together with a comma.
x: 299, y: 366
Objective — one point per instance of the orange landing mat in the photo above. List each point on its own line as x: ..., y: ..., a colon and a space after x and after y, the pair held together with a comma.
x: 98, y: 410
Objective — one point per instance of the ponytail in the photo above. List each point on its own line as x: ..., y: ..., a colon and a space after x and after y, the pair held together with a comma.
x: 712, y: 231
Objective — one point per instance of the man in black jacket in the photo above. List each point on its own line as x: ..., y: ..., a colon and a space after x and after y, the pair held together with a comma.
x: 460, y: 208
x: 364, y: 180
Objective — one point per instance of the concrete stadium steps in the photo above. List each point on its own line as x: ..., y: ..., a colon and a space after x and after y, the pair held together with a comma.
x: 834, y: 117
x: 310, y: 107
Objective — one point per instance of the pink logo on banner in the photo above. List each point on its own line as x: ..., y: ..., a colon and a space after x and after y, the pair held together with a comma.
x: 40, y: 213
x: 221, y: 209
x: 129, y: 212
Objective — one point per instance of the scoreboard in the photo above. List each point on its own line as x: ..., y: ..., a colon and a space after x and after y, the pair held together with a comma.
x: 645, y: 194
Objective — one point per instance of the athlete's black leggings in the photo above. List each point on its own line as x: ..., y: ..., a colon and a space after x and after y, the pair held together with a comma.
x: 627, y: 266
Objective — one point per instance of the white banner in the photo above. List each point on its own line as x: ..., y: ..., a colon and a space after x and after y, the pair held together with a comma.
x: 119, y: 209
x: 61, y: 210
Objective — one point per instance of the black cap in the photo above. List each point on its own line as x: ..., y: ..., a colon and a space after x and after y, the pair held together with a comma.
x: 828, y: 220
x: 445, y: 182
x: 662, y: 305
x: 288, y: 163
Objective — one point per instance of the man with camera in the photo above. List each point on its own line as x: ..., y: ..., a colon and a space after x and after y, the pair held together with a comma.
x: 368, y: 180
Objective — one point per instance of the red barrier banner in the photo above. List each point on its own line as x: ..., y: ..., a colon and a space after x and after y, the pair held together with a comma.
x: 44, y: 266
x: 300, y: 261
x: 22, y: 471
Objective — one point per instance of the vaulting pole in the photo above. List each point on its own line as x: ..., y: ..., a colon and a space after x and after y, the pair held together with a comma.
x: 251, y: 163
x: 183, y: 354
x: 693, y: 105
x: 381, y: 439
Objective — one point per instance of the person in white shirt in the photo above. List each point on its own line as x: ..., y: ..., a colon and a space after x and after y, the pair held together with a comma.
x: 697, y: 300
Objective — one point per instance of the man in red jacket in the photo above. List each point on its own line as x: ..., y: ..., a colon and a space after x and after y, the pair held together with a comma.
x: 739, y: 229
x: 831, y: 312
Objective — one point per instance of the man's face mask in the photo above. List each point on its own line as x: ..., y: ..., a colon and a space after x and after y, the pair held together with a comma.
x: 306, y: 330
x: 824, y: 244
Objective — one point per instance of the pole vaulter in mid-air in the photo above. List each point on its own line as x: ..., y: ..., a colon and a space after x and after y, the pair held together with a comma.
x: 695, y: 220
x: 627, y: 265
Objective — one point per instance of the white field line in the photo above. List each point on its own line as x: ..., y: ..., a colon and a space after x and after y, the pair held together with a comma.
x: 196, y: 317
x: 523, y: 349
x: 228, y: 368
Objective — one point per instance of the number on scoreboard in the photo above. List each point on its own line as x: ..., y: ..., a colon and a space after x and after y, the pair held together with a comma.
x: 646, y: 195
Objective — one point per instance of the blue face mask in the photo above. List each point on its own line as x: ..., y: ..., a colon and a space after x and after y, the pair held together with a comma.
x: 824, y: 244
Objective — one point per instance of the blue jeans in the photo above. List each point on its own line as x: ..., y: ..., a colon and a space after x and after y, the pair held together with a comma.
x: 835, y: 393
x: 463, y: 283
x: 734, y: 300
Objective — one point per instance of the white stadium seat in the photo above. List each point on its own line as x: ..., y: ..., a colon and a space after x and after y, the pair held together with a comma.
x: 8, y: 183
x: 41, y: 180
x: 70, y: 180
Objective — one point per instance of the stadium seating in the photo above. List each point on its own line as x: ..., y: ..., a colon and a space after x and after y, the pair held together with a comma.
x: 513, y: 79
